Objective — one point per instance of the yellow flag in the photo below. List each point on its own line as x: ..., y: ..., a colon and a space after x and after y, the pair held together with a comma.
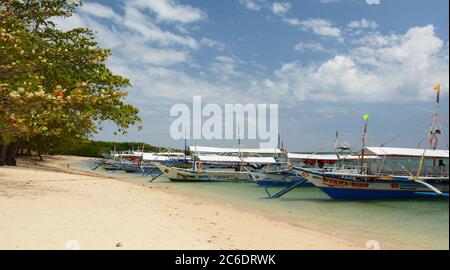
x: 366, y: 116
x: 437, y: 87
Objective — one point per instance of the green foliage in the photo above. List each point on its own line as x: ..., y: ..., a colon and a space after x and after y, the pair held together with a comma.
x: 54, y: 85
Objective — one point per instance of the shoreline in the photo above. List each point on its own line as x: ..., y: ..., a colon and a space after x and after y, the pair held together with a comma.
x: 102, y: 214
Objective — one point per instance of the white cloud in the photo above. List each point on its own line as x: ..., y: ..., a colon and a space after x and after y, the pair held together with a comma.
x: 395, y: 68
x: 373, y: 2
x: 318, y: 26
x: 154, y: 59
x: 328, y: 1
x: 136, y: 42
x: 225, y: 67
x: 99, y: 10
x: 132, y: 19
x: 378, y: 67
x: 139, y: 23
x: 311, y: 46
x: 69, y: 23
x: 280, y: 8
x: 139, y: 53
x: 321, y: 27
x: 363, y: 23
x: 212, y: 44
x: 292, y: 21
x: 169, y: 10
x: 254, y: 5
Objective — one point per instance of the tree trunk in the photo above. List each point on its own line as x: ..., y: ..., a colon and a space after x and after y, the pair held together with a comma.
x: 3, y: 149
x: 11, y: 152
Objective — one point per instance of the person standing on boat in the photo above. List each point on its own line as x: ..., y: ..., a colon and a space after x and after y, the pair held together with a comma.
x: 442, y: 168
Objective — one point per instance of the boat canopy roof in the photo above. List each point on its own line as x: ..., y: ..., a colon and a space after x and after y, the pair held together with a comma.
x: 405, y: 152
x: 218, y: 150
x: 331, y: 157
x: 235, y: 159
x: 159, y: 156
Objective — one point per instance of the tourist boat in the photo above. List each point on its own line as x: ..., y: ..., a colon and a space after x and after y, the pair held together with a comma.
x: 140, y: 162
x: 383, y: 179
x: 396, y: 173
x: 285, y: 176
x: 197, y: 175
x: 238, y: 171
x: 282, y: 174
x: 212, y: 164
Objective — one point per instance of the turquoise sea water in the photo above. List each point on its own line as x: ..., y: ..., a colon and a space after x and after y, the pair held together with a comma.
x: 395, y: 224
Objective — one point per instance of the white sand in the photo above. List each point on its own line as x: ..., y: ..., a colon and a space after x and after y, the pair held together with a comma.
x: 44, y: 205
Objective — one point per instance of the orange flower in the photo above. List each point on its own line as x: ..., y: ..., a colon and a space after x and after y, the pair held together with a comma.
x: 58, y: 93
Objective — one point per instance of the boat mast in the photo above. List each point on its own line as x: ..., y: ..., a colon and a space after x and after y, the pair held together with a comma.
x: 193, y: 156
x: 239, y: 146
x: 142, y: 155
x: 185, y: 146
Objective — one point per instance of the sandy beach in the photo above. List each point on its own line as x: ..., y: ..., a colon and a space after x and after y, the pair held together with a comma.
x: 48, y: 205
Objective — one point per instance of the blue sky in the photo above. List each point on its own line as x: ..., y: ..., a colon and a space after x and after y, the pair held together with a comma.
x: 324, y: 62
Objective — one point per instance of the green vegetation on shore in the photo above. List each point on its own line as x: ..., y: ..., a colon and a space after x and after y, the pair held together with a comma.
x: 97, y: 148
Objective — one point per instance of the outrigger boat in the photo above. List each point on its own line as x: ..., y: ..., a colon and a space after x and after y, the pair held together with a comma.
x: 376, y: 182
x: 190, y: 175
x: 312, y: 161
x: 394, y: 172
x: 237, y: 171
x: 282, y: 175
x: 212, y: 164
x: 140, y: 162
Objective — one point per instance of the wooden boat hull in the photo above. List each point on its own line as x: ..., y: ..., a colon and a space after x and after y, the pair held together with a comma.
x: 348, y: 187
x: 109, y: 166
x: 183, y: 175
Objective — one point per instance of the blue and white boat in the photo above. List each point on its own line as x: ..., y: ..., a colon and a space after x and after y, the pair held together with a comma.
x: 390, y: 176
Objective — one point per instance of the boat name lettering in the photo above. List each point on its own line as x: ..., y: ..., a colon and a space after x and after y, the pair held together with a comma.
x: 345, y: 183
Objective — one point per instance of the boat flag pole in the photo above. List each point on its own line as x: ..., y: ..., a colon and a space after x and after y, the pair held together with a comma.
x: 366, y: 119
x: 336, y: 146
x: 435, y: 129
